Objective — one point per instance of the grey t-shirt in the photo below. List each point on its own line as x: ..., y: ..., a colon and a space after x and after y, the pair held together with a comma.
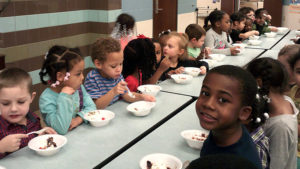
x: 217, y: 42
x: 282, y: 131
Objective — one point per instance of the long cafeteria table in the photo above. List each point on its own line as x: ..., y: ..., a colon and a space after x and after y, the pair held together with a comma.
x: 88, y: 146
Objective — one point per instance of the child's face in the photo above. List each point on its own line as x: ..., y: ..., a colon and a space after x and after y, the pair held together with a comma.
x: 219, y: 103
x: 112, y: 67
x: 157, y: 51
x: 172, y: 49
x: 198, y: 43
x: 14, y: 103
x: 261, y: 19
x: 225, y: 23
x: 248, y: 25
x: 241, y: 25
x: 251, y: 15
x: 296, y: 72
x: 76, y: 75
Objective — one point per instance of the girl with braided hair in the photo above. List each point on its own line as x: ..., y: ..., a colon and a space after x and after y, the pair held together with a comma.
x: 64, y: 103
x: 281, y: 127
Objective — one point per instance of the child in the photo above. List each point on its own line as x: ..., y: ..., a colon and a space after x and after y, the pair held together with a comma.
x: 248, y: 26
x: 285, y: 56
x: 281, y: 127
x: 158, y: 51
x: 260, y: 23
x: 176, y: 52
x: 16, y: 121
x: 123, y: 30
x: 216, y: 37
x: 140, y: 64
x: 105, y: 84
x: 238, y: 25
x: 163, y: 37
x: 64, y: 103
x: 196, y: 36
x: 227, y: 97
x: 248, y: 12
x: 294, y: 92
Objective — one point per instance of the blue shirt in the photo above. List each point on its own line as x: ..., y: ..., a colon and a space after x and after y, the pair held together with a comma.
x: 244, y: 147
x: 58, y: 109
x: 97, y: 86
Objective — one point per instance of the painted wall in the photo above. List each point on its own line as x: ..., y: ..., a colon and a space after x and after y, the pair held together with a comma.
x: 142, y: 10
x: 291, y: 14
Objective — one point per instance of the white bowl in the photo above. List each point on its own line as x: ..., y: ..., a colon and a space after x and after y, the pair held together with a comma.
x: 297, y: 32
x: 193, y: 71
x: 211, y: 63
x: 38, y: 142
x: 99, y: 118
x: 253, y: 37
x: 282, y: 30
x: 270, y: 34
x: 140, y: 108
x: 195, y: 138
x: 160, y: 160
x: 254, y: 42
x: 182, y: 78
x: 149, y: 89
x: 242, y: 47
x: 217, y: 57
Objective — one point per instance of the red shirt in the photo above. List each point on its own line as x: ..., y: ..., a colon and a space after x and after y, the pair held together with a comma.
x: 133, y: 83
x: 6, y: 128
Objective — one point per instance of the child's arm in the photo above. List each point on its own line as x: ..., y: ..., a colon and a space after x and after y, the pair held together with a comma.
x: 138, y: 97
x: 105, y: 100
x: 248, y: 34
x: 164, y: 65
x: 58, y: 111
x: 10, y: 143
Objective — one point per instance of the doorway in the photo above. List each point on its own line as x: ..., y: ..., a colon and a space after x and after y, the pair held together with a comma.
x: 164, y: 16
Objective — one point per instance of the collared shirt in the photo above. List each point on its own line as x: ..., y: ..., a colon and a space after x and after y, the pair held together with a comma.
x: 6, y: 128
x: 262, y: 144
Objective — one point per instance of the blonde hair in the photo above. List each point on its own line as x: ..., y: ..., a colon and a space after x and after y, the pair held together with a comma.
x: 182, y: 43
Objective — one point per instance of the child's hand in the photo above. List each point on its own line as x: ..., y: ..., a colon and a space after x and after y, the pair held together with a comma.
x: 68, y: 90
x: 203, y: 70
x: 75, y: 122
x: 179, y: 70
x: 207, y: 52
x: 11, y: 142
x: 148, y: 98
x: 120, y: 88
x: 234, y: 50
x: 48, y: 130
x: 274, y: 29
x: 255, y: 33
x: 164, y: 64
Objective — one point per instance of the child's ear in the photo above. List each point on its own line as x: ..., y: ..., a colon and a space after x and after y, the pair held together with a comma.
x: 245, y: 113
x: 235, y: 23
x: 32, y: 96
x: 181, y: 51
x: 194, y: 40
x: 218, y: 24
x: 97, y: 64
x: 259, y: 82
x: 60, y: 76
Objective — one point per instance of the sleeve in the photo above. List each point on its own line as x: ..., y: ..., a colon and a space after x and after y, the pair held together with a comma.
x: 57, y: 112
x: 195, y: 63
x: 266, y: 29
x: 132, y: 83
x: 88, y: 104
x: 210, y: 42
x: 281, y: 137
x: 91, y: 86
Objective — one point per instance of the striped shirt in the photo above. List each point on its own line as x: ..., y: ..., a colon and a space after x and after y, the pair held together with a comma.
x: 97, y: 86
x: 262, y: 145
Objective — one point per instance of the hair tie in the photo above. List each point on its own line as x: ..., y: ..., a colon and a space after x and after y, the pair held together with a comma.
x: 141, y: 36
x: 266, y: 115
x: 257, y: 96
x: 55, y: 84
x: 258, y: 120
x: 67, y: 76
x: 266, y: 97
x: 46, y: 55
